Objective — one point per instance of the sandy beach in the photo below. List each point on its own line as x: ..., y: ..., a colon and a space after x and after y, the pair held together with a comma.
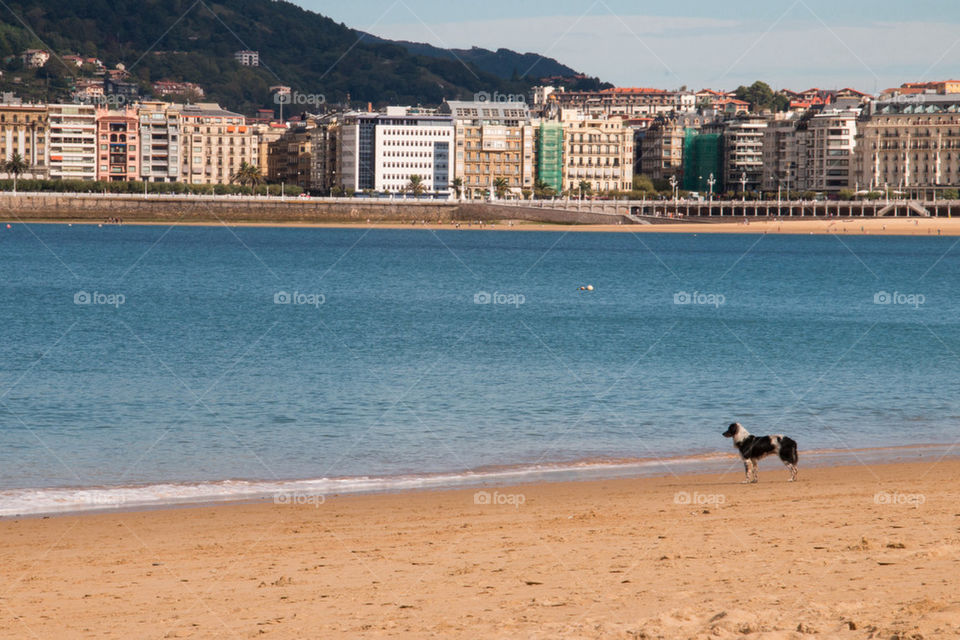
x: 846, y: 552
x: 836, y: 226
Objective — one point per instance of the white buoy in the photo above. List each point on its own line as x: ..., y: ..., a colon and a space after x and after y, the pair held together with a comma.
x: 589, y: 287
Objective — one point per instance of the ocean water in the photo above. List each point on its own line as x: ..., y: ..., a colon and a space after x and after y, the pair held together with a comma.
x: 198, y: 363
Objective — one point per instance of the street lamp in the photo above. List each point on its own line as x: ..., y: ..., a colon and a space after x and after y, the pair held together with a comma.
x: 743, y: 185
x: 673, y: 186
x: 710, y: 182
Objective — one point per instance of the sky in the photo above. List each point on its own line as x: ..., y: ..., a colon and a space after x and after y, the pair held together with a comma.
x: 695, y: 43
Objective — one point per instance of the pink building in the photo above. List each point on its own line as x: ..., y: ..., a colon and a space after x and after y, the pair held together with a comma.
x: 118, y: 137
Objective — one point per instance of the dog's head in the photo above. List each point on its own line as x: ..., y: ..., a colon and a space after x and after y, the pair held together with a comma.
x: 732, y: 430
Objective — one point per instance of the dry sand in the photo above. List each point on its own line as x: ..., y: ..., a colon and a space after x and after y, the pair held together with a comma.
x: 838, y: 226
x: 847, y: 552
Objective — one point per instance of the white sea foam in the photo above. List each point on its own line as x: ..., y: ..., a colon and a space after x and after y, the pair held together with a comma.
x: 15, y: 502
x: 59, y: 500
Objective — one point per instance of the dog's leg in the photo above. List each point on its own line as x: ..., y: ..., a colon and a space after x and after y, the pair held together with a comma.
x: 746, y: 471
x: 793, y: 471
x: 756, y: 471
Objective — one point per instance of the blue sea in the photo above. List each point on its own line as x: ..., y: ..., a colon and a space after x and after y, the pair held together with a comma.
x: 151, y: 364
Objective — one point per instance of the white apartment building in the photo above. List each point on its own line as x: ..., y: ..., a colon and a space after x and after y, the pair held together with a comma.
x: 381, y: 151
x: 827, y: 148
x: 412, y: 145
x: 247, y: 58
x: 72, y: 143
x: 159, y: 141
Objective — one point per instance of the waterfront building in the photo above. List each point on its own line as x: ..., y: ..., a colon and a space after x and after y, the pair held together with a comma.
x: 912, y: 147
x: 117, y: 144
x: 493, y: 140
x: 215, y: 143
x: 549, y: 157
x: 24, y: 130
x: 72, y: 145
x: 160, y: 140
x: 743, y: 153
x: 598, y: 150
x: 826, y: 147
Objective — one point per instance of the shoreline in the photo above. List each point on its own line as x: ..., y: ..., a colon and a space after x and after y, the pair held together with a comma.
x: 785, y: 226
x: 47, y: 502
x: 857, y: 551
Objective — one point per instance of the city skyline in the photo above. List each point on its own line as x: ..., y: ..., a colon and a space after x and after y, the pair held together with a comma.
x: 796, y: 44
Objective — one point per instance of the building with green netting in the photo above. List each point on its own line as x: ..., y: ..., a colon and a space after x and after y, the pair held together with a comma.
x: 701, y: 158
x: 550, y: 155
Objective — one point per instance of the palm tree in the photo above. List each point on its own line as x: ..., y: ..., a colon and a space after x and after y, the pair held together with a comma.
x: 416, y: 185
x: 585, y: 187
x: 457, y: 186
x: 247, y: 174
x: 542, y: 189
x: 500, y: 186
x: 15, y: 165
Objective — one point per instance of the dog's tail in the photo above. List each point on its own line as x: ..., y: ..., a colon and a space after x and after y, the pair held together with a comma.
x: 788, y: 450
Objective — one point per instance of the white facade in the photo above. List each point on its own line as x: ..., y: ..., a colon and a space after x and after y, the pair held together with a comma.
x: 72, y: 144
x: 830, y: 141
x: 409, y: 146
x: 247, y: 58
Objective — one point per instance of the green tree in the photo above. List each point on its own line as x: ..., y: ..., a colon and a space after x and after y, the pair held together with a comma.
x: 457, y: 186
x: 584, y: 187
x: 542, y: 189
x: 15, y: 166
x: 643, y: 183
x: 416, y: 186
x: 247, y: 174
x: 761, y: 96
x: 500, y: 186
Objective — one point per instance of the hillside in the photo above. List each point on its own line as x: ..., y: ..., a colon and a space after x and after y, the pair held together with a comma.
x: 186, y: 40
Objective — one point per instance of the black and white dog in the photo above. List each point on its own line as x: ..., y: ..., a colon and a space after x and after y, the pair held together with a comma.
x: 754, y: 448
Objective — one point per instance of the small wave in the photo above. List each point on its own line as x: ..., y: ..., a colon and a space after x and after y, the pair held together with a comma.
x: 21, y: 502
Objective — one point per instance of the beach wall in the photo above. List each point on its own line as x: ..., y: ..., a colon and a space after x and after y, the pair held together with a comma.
x: 488, y: 212
x: 176, y: 208
x: 166, y: 208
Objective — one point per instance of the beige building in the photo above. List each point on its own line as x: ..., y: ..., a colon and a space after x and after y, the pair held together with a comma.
x: 596, y: 150
x: 910, y: 147
x: 492, y: 140
x: 24, y: 130
x: 215, y: 142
